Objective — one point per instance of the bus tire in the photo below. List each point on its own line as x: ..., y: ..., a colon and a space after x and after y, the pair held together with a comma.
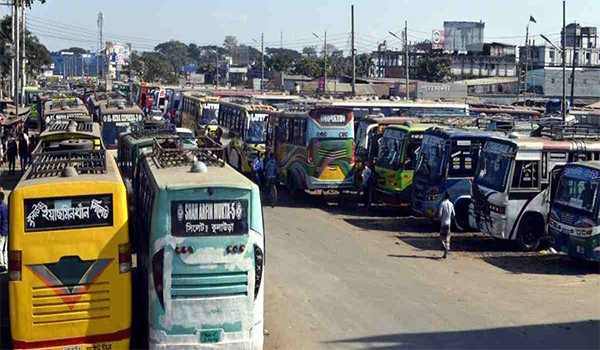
x: 291, y: 186
x: 461, y: 219
x: 527, y: 238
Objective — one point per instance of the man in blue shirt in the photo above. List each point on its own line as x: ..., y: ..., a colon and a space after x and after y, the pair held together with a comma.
x: 3, y: 233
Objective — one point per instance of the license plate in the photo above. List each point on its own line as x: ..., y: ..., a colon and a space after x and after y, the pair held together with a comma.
x: 580, y: 249
x: 210, y: 336
x: 75, y: 347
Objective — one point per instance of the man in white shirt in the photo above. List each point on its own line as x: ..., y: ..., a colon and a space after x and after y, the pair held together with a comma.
x: 446, y: 217
x: 366, y: 177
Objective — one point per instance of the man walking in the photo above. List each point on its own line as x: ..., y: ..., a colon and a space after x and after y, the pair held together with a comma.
x: 3, y: 233
x: 23, y: 152
x: 367, y: 180
x: 446, y: 217
x: 11, y: 153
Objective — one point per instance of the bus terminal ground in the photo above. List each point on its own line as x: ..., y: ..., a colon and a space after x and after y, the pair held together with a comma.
x: 344, y: 277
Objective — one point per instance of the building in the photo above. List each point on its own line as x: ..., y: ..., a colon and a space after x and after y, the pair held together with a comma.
x: 580, y: 37
x: 495, y: 60
x: 548, y: 82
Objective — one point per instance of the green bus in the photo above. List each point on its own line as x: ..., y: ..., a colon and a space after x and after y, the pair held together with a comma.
x: 314, y: 150
x: 396, y: 161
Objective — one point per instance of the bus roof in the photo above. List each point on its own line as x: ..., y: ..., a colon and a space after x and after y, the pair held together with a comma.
x: 457, y: 133
x: 411, y: 127
x: 82, y: 130
x: 389, y: 120
x: 590, y: 164
x: 250, y: 107
x: 396, y: 104
x: 119, y: 107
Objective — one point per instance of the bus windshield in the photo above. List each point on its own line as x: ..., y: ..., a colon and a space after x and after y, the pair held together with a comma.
x: 578, y: 188
x: 255, y: 132
x: 390, y: 149
x: 210, y: 113
x: 111, y: 131
x: 430, y: 163
x: 494, y: 165
x: 362, y: 139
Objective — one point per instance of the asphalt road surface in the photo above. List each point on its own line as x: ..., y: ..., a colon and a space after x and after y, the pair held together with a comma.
x: 351, y: 279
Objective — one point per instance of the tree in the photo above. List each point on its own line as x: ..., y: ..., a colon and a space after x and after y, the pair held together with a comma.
x: 37, y: 54
x: 151, y: 67
x: 309, y: 51
x: 280, y: 63
x: 330, y: 49
x: 434, y: 68
x: 273, y: 52
x: 176, y: 53
x: 363, y: 65
x: 230, y: 43
x: 28, y: 3
x: 308, y: 66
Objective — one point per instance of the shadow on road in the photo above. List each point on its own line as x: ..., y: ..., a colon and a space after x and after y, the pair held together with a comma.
x: 9, y: 182
x: 459, y: 243
x: 572, y: 335
x: 414, y: 257
x: 394, y: 224
x: 555, y: 264
x: 5, y: 339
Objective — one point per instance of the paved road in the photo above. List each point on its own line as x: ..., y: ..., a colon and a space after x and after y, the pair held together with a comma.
x: 343, y: 279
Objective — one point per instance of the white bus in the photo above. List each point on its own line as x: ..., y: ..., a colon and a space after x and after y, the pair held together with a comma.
x: 510, y: 196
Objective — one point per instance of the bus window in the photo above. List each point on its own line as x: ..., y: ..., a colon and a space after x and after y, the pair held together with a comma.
x: 463, y: 159
x: 526, y: 174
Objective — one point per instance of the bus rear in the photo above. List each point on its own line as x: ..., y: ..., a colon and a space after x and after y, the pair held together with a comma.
x: 330, y: 156
x: 70, y: 281
x: 206, y: 260
x: 574, y: 226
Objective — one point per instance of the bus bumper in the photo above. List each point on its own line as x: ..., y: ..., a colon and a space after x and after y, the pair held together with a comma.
x: 89, y: 342
x: 394, y: 198
x: 316, y: 184
x: 584, y: 248
x: 228, y: 340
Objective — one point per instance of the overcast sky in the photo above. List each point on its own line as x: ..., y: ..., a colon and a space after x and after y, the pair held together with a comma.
x: 65, y: 23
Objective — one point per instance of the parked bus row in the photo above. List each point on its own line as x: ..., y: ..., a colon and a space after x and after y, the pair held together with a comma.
x: 198, y: 282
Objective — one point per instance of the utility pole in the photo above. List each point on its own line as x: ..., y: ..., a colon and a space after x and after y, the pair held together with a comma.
x: 407, y: 62
x: 13, y: 64
x: 23, y: 60
x: 17, y: 57
x: 574, y: 62
x: 564, y: 63
x: 262, y: 60
x: 325, y: 52
x: 353, y: 56
x: 282, y: 39
x: 526, y: 58
x: 217, y: 65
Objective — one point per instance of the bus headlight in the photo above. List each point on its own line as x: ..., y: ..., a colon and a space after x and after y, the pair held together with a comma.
x: 157, y: 275
x: 434, y: 198
x: 497, y: 208
x: 124, y: 258
x: 14, y: 265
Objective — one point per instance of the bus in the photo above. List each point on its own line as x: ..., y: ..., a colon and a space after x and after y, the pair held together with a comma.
x: 314, y: 150
x: 139, y: 141
x: 447, y: 161
x: 118, y: 116
x: 95, y: 101
x: 510, y: 188
x: 397, y: 151
x: 247, y: 133
x: 143, y: 95
x: 203, y: 110
x: 516, y: 112
x: 63, y: 109
x: 574, y: 221
x: 202, y: 248
x: 402, y: 108
x: 69, y: 254
x: 368, y: 131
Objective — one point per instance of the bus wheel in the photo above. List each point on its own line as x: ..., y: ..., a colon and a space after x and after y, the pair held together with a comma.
x: 527, y: 238
x: 462, y: 215
x: 291, y: 185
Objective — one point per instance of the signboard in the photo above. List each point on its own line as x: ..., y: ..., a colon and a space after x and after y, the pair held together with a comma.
x: 437, y: 39
x: 321, y: 84
x: 583, y: 173
x: 131, y: 118
x: 463, y: 36
x: 209, y: 218
x: 65, y: 116
x: 42, y: 214
x: 434, y: 91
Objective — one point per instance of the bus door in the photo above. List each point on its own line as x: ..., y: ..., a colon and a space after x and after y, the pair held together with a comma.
x: 212, y: 268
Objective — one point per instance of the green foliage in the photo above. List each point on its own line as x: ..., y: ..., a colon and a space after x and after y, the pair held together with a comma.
x: 151, y: 67
x: 75, y: 50
x: 280, y: 63
x: 37, y: 54
x: 435, y: 68
x: 230, y: 43
x: 176, y: 53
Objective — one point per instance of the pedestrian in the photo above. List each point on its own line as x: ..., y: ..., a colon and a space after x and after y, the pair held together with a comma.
x: 258, y: 168
x: 446, y: 217
x: 3, y: 233
x: 12, y: 155
x: 31, y: 148
x: 271, y: 169
x: 366, y: 178
x: 1, y: 151
x: 23, y: 152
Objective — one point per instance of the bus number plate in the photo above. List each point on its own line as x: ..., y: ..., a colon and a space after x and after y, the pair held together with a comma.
x: 74, y: 347
x: 210, y: 336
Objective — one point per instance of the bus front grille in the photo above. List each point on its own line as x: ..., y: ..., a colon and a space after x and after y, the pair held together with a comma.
x: 69, y: 303
x: 208, y: 285
x: 335, y: 155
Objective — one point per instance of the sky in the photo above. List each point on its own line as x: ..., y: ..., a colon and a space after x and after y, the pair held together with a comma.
x: 65, y: 23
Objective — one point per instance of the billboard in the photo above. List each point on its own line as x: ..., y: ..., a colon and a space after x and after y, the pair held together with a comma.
x: 118, y: 53
x: 463, y: 36
x: 437, y: 39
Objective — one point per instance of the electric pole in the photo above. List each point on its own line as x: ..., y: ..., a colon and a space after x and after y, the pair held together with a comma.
x: 217, y: 65
x: 353, y: 56
x: 325, y: 45
x: 262, y: 60
x: 23, y: 60
x: 17, y: 57
x: 574, y: 62
x: 527, y: 58
x: 13, y: 60
x: 407, y: 62
x: 564, y: 64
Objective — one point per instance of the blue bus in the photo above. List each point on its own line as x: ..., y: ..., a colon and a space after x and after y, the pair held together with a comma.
x: 447, y: 161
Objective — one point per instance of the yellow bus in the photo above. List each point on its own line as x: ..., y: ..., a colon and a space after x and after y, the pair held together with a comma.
x: 247, y: 134
x: 69, y: 252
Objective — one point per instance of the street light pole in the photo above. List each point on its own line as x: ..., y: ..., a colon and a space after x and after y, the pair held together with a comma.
x: 406, y: 64
x: 324, y: 59
x: 564, y: 64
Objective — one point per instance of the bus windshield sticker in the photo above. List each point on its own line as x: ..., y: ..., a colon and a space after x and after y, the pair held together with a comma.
x: 463, y: 142
x: 112, y: 118
x: 499, y: 148
x: 257, y: 117
x: 581, y: 173
x: 209, y: 218
x: 42, y: 214
x: 65, y: 116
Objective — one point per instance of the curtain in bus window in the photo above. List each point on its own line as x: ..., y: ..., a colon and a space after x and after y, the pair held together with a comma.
x: 526, y: 174
x: 577, y: 193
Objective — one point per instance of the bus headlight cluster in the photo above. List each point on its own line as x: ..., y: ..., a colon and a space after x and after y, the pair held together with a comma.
x: 497, y: 208
x: 258, y: 269
x: 583, y: 231
x: 434, y: 198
